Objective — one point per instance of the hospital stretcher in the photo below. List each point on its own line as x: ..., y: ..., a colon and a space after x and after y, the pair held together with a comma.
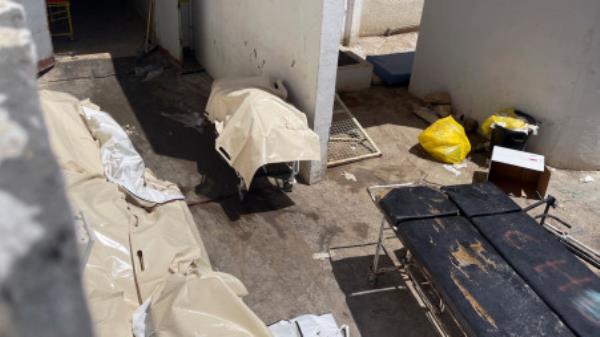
x: 480, y: 265
x: 285, y: 172
x: 258, y: 131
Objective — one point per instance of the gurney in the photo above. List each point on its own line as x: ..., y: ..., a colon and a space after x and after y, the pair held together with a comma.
x: 478, y: 263
x: 257, y: 129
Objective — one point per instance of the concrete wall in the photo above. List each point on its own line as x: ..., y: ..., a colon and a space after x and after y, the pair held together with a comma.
x: 37, y: 23
x: 540, y: 56
x: 378, y: 16
x: 167, y: 26
x: 39, y: 268
x: 296, y: 41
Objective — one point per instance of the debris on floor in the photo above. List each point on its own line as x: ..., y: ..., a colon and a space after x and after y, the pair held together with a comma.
x: 439, y: 103
x: 149, y: 66
x: 349, y: 176
x: 446, y: 141
x: 130, y: 130
x: 455, y: 168
x: 443, y: 110
x: 152, y: 74
x: 587, y: 179
x: 438, y: 98
x: 426, y: 114
x: 309, y: 326
x: 193, y: 120
x: 322, y: 256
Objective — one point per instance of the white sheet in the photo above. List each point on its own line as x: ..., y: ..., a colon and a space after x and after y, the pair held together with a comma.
x: 309, y: 326
x: 122, y: 164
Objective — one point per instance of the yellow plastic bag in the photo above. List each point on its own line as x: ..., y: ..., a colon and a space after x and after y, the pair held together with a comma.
x: 507, y: 118
x: 446, y: 141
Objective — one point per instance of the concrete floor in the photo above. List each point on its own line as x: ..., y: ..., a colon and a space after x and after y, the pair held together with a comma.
x: 269, y: 240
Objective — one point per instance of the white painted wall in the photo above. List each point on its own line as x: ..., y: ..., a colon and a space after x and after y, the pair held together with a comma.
x: 380, y: 15
x: 296, y: 41
x: 167, y: 26
x: 37, y: 22
x: 540, y: 56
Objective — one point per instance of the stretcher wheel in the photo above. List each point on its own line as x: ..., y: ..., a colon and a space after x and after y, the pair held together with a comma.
x: 288, y: 186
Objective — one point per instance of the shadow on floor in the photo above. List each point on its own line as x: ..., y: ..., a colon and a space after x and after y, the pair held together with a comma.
x: 169, y: 110
x: 384, y: 310
x: 376, y: 107
x: 264, y: 196
x: 420, y: 152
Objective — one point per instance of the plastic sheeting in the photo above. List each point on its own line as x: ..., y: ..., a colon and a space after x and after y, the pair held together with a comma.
x: 257, y: 127
x: 122, y: 164
x: 140, y: 254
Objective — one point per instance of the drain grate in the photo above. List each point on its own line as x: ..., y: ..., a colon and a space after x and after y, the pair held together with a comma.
x: 348, y: 141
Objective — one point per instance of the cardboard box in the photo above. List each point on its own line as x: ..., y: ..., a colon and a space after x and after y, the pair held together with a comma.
x: 519, y: 173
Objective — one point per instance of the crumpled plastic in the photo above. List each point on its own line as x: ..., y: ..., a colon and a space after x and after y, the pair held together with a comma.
x: 508, y: 119
x: 446, y: 141
x: 122, y: 164
x: 196, y: 305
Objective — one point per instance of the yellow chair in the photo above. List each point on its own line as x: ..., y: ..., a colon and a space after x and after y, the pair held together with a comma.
x: 60, y: 10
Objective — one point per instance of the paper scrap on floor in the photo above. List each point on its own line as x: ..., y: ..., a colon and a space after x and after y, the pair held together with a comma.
x: 309, y: 326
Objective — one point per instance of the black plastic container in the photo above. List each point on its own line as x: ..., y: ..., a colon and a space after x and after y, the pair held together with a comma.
x: 512, y: 139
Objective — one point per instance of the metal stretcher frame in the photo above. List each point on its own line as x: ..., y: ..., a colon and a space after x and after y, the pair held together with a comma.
x: 408, y: 265
x: 289, y: 179
x: 410, y: 270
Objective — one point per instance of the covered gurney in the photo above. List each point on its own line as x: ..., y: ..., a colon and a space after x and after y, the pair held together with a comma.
x: 490, y: 265
x: 257, y: 127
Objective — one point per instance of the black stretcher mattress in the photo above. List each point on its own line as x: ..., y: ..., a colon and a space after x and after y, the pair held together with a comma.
x: 416, y: 202
x: 480, y: 199
x: 554, y: 272
x: 484, y: 292
x: 564, y: 282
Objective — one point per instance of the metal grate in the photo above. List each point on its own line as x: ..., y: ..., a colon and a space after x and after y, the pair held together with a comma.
x: 348, y: 141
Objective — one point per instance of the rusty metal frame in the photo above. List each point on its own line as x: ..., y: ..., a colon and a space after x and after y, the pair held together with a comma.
x: 376, y: 151
x: 577, y: 247
x: 410, y: 269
